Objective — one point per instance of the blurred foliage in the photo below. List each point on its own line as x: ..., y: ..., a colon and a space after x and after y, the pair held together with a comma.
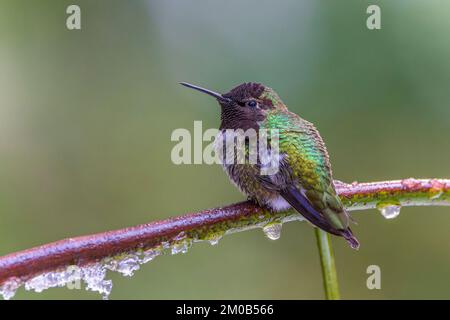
x: 86, y: 118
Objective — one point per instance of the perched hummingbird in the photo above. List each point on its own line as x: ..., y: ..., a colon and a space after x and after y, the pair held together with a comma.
x: 304, y: 180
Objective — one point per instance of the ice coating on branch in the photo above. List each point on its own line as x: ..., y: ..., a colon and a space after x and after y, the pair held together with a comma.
x: 9, y: 288
x: 385, y: 196
x: 126, y: 265
x: 92, y: 275
x: 215, y: 240
x: 181, y: 244
x: 149, y: 255
x: 57, y: 278
x: 181, y: 247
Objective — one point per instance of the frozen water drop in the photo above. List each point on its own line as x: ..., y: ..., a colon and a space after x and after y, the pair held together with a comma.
x: 94, y: 277
x: 180, y: 243
x: 165, y: 245
x: 181, y: 247
x: 8, y: 289
x: 128, y: 266
x: 38, y: 283
x: 390, y: 211
x: 125, y: 265
x: 51, y: 279
x: 149, y: 255
x: 273, y: 230
x: 214, y: 241
x: 180, y: 236
x: 214, y: 238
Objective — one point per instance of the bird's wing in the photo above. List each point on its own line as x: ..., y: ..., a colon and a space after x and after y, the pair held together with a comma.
x: 305, y: 178
x: 302, y: 204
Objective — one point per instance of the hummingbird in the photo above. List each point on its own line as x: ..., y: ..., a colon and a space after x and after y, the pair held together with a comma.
x: 304, y: 180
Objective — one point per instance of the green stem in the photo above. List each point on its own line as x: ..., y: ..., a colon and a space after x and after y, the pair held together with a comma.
x: 330, y: 281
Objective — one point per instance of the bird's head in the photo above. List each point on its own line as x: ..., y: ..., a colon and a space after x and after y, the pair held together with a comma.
x: 244, y: 106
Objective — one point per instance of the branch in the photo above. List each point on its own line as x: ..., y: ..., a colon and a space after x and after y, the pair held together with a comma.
x: 209, y: 225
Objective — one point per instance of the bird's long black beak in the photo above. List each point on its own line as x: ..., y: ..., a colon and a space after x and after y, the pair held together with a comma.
x: 214, y: 94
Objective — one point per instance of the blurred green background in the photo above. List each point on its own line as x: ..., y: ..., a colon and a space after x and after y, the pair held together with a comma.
x: 86, y: 118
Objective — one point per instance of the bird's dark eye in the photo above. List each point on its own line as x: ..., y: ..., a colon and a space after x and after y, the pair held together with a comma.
x: 252, y: 103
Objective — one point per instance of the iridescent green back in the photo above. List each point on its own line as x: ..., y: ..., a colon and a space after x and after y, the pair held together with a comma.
x: 308, y: 161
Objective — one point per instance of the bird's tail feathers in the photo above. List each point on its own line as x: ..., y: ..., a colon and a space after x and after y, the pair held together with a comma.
x: 298, y: 200
x: 351, y: 239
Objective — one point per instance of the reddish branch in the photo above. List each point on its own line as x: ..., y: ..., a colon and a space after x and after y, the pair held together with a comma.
x: 88, y: 249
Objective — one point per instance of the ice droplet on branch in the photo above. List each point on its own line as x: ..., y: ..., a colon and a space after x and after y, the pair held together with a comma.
x: 390, y: 211
x: 273, y: 230
x: 126, y: 265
